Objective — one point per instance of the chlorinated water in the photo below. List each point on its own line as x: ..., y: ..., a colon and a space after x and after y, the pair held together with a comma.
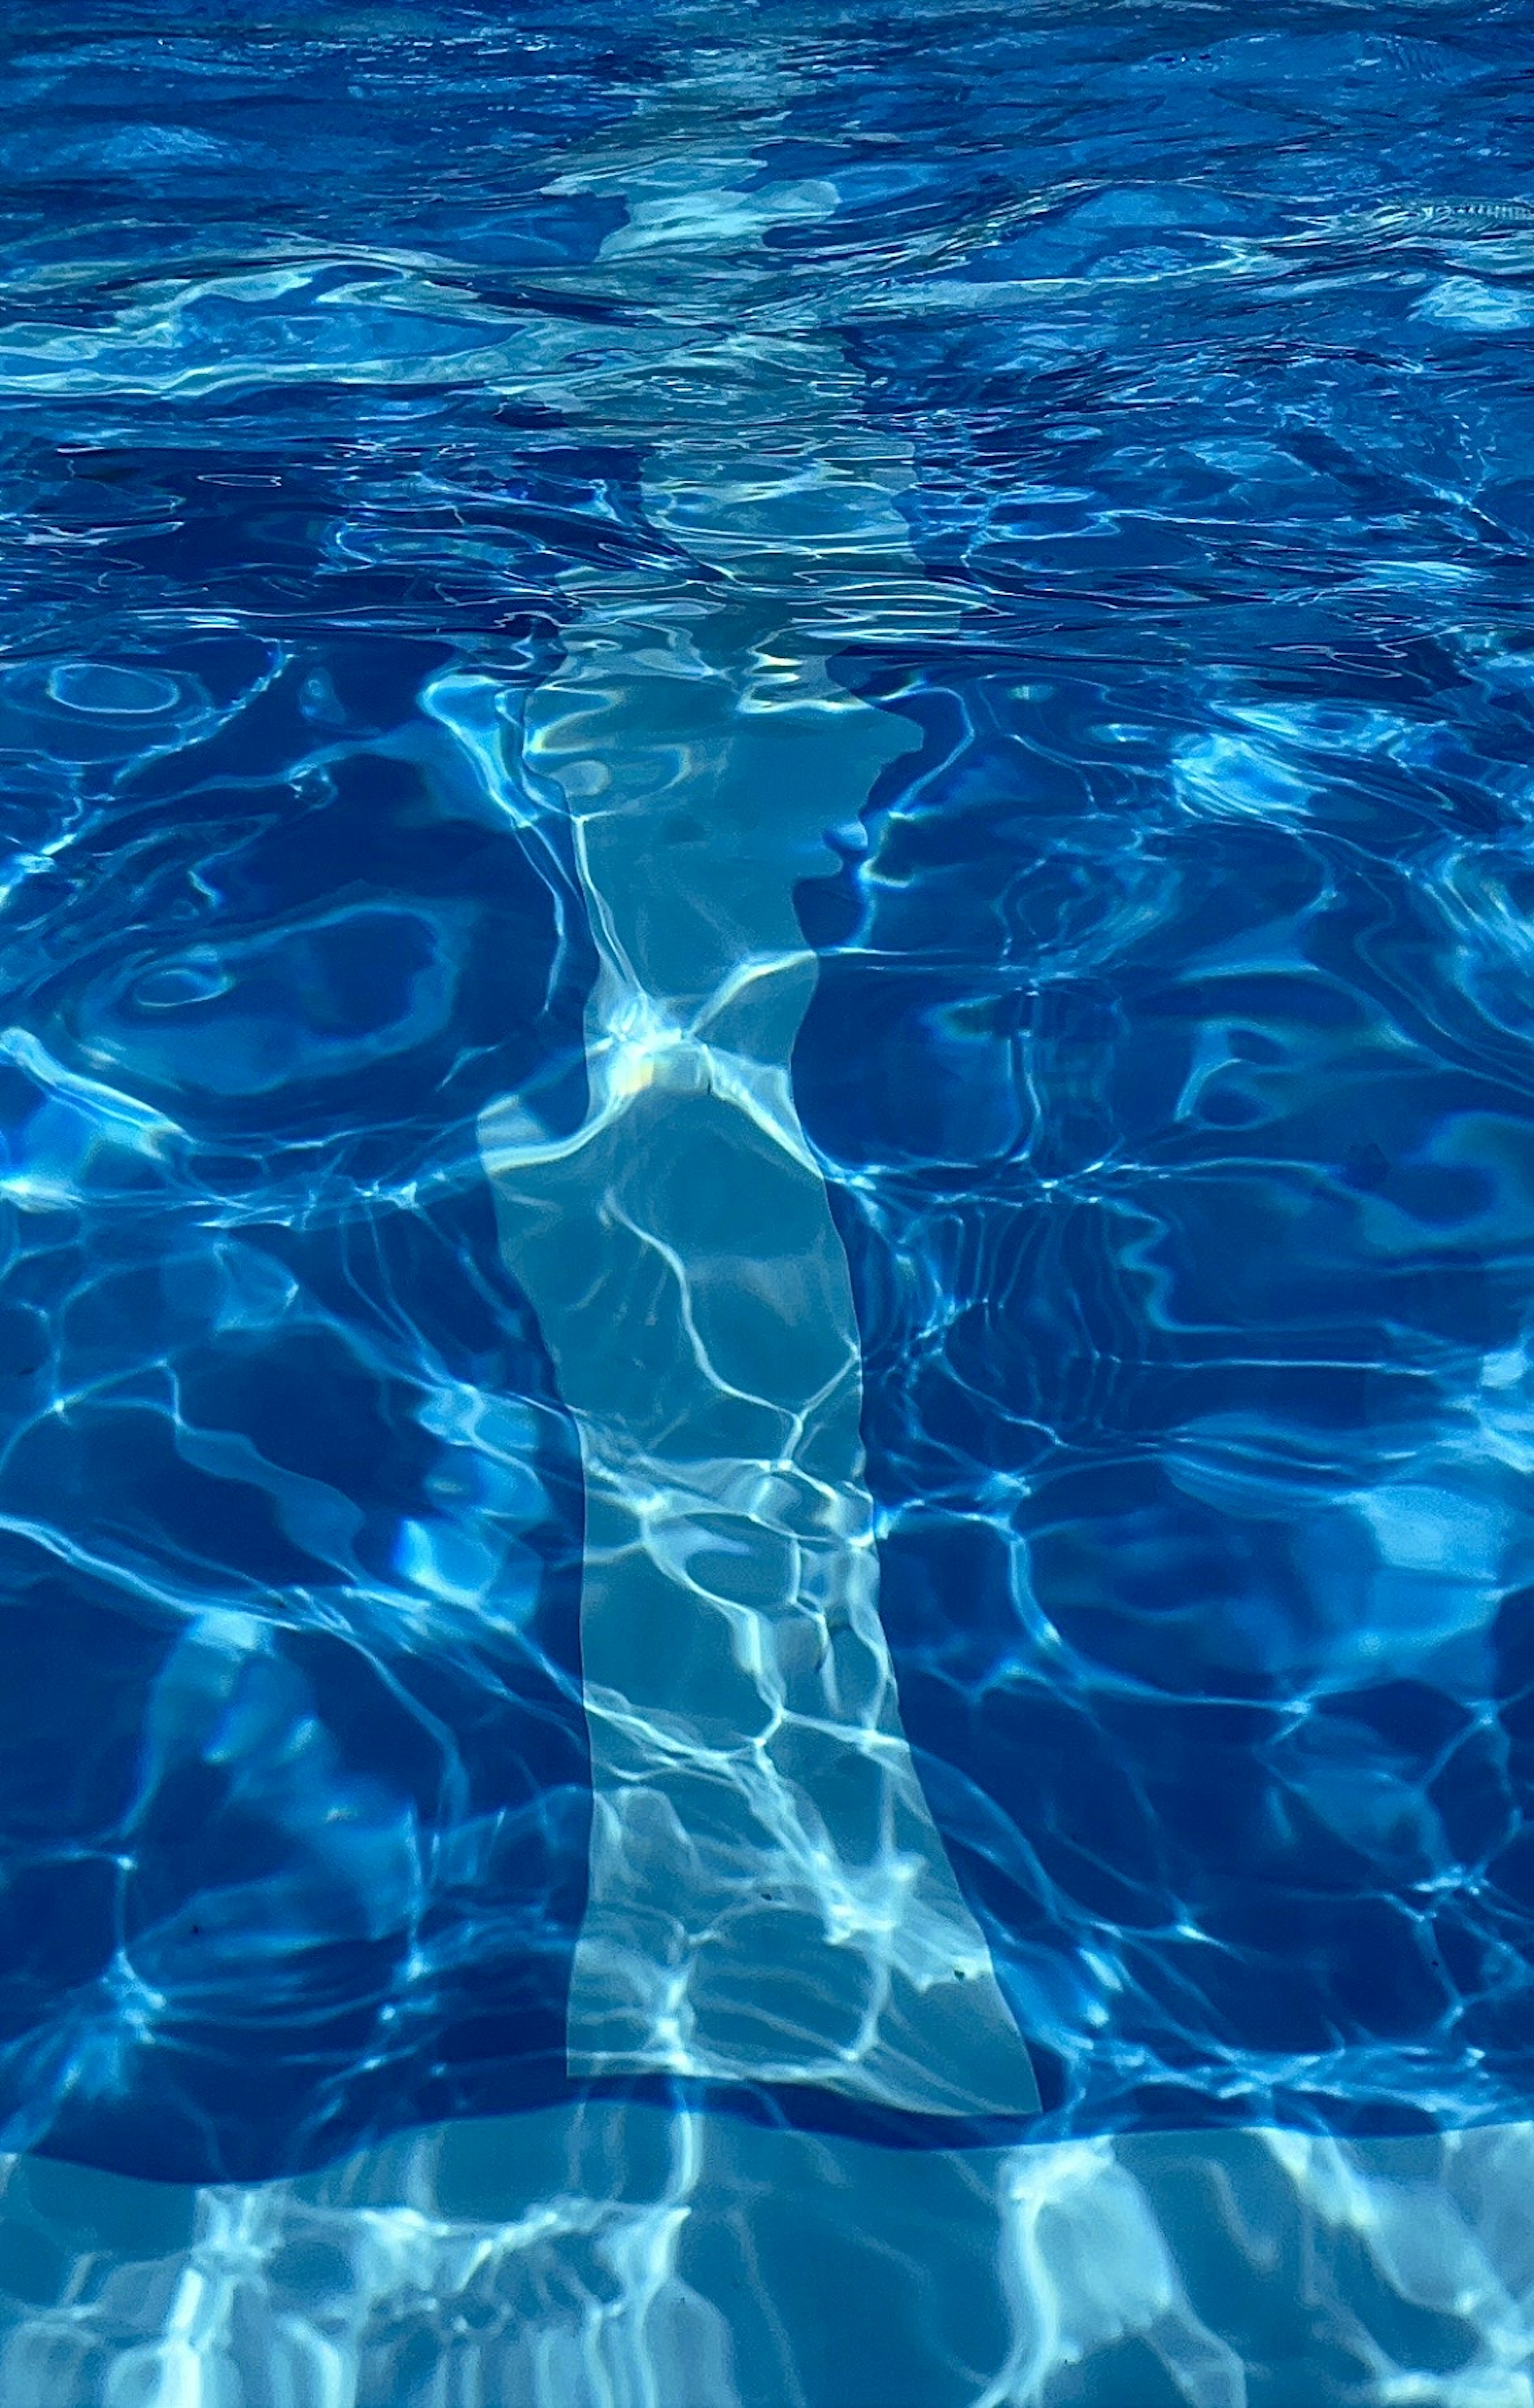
x: 767, y: 1206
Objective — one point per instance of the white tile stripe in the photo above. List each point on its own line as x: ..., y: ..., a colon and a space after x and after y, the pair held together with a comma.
x: 770, y: 1897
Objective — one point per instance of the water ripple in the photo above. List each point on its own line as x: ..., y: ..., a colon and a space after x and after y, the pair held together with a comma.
x: 767, y: 834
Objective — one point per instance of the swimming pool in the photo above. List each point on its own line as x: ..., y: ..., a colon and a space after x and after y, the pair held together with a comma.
x: 768, y: 1205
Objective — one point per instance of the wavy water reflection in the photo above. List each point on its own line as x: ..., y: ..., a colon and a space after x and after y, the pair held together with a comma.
x: 765, y: 913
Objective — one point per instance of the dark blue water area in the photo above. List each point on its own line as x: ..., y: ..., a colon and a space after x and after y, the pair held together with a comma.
x: 1170, y: 1057
x: 295, y: 1787
x: 1173, y: 1039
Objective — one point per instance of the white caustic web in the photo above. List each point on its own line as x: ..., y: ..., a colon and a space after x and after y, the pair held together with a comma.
x: 770, y: 1897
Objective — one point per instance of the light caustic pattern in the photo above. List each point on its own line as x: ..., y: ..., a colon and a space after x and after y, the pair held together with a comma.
x: 471, y: 500
x: 618, y: 2257
x: 768, y: 1894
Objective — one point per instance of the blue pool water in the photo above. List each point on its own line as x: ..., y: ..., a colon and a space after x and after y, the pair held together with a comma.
x: 767, y: 1339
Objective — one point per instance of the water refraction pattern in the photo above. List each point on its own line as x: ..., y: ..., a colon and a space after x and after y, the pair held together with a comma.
x: 769, y: 1899
x: 296, y: 1778
x: 1174, y: 1048
x: 632, y: 2257
x: 767, y: 1206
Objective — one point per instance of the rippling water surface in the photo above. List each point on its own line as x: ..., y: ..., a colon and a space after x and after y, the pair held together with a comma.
x: 766, y: 1362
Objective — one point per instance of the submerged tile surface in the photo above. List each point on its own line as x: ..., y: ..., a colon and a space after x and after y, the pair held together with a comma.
x: 765, y: 1215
